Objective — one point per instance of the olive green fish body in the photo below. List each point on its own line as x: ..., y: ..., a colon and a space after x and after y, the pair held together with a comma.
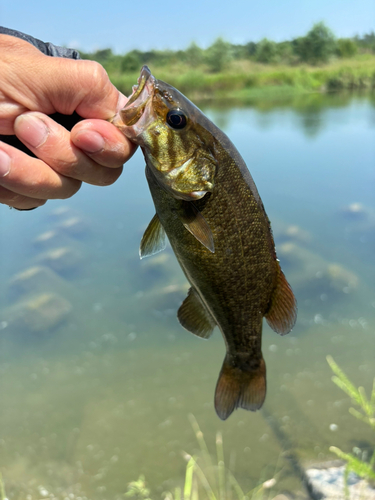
x: 236, y: 281
x: 207, y: 204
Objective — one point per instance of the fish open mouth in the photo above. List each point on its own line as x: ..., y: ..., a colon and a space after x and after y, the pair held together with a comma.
x: 139, y: 99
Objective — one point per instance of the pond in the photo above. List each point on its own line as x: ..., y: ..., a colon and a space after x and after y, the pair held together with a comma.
x: 98, y: 381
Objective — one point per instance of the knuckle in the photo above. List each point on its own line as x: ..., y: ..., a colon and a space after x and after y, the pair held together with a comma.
x: 95, y: 74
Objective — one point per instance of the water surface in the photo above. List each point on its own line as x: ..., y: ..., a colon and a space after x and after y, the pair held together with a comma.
x: 93, y: 401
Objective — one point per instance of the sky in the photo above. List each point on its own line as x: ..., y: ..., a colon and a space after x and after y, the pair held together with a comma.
x: 123, y: 25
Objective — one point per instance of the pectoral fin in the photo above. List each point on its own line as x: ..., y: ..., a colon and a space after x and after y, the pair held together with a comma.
x: 282, y: 312
x: 194, y: 316
x: 197, y: 225
x: 153, y: 239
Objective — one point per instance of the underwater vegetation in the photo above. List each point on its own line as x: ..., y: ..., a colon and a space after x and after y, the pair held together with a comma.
x: 360, y: 463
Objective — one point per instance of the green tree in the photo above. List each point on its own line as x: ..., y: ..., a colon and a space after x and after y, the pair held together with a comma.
x: 266, y: 51
x: 218, y: 55
x: 102, y: 55
x: 250, y: 48
x: 194, y: 54
x: 317, y: 46
x: 346, y: 47
x: 285, y: 51
x: 367, y: 42
x: 131, y: 62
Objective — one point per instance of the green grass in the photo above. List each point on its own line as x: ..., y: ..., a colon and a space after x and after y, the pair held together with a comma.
x: 207, y: 477
x: 2, y: 489
x: 247, y: 79
x: 358, y: 462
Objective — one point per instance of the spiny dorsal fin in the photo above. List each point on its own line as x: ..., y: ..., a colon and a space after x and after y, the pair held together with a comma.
x: 282, y: 312
x: 153, y: 239
x: 197, y: 225
x: 240, y: 386
x: 194, y: 316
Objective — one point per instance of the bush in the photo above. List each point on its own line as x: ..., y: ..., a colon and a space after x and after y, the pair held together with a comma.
x: 218, y: 55
x: 266, y: 51
x: 193, y: 55
x: 346, y: 47
x: 317, y: 46
x: 130, y: 62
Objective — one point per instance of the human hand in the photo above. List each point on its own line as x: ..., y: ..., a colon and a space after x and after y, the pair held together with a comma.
x: 33, y: 86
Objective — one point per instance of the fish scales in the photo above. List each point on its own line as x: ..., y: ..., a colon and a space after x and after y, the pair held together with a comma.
x: 208, y: 205
x: 236, y: 283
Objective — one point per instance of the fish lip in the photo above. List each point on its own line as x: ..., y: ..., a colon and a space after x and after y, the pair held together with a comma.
x: 144, y: 76
x: 142, y: 93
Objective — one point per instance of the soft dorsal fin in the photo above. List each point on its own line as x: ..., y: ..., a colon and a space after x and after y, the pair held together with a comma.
x: 153, y: 239
x: 197, y: 225
x: 282, y: 311
x: 194, y: 316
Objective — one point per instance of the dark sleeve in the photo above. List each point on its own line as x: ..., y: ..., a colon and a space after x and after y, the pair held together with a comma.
x: 47, y: 48
x: 67, y: 121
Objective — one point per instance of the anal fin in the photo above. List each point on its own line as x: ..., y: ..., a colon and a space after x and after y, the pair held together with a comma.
x: 240, y: 386
x: 194, y: 316
x: 153, y: 239
x: 282, y: 311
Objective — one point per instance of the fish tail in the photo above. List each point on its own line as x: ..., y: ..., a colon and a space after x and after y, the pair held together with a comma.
x: 241, y: 384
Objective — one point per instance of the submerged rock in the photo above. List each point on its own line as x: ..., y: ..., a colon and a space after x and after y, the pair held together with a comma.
x: 292, y: 233
x: 312, y: 276
x: 62, y: 211
x: 74, y: 226
x: 35, y: 279
x: 62, y: 260
x: 51, y: 238
x: 355, y: 211
x: 360, y: 222
x: 342, y: 279
x: 157, y: 269
x: 166, y: 300
x: 37, y: 314
x: 329, y: 482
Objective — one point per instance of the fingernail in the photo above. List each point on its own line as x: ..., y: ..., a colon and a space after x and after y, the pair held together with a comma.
x: 4, y: 164
x: 31, y: 130
x: 90, y: 141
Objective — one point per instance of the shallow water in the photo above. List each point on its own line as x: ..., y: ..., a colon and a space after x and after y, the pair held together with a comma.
x: 102, y: 393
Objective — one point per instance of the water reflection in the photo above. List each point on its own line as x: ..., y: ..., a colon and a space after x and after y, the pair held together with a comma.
x: 311, y: 109
x: 98, y: 378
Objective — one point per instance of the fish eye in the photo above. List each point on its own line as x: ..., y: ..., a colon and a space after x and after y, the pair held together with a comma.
x: 176, y: 119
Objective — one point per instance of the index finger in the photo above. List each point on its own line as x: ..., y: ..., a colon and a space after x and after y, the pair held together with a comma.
x: 37, y: 82
x: 82, y: 86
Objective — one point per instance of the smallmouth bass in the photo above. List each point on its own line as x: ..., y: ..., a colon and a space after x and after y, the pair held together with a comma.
x: 208, y: 205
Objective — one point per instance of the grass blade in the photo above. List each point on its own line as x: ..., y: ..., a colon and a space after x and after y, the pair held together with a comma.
x: 362, y: 469
x: 2, y: 489
x: 221, y: 465
x: 189, y: 478
x: 342, y: 381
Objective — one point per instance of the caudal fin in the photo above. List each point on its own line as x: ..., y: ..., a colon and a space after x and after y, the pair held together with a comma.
x: 241, y: 386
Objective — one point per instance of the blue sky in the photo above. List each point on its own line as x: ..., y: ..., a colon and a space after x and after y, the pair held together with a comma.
x: 125, y: 25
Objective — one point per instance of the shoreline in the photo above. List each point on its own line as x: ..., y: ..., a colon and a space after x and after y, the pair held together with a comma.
x: 245, y: 80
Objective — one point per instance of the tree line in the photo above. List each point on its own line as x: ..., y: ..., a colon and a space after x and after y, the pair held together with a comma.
x: 318, y: 46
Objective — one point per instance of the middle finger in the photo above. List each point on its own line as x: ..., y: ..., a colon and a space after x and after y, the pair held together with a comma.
x: 51, y: 143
